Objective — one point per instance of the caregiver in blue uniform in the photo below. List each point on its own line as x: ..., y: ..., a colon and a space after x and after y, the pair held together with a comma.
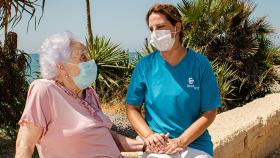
x: 178, y: 89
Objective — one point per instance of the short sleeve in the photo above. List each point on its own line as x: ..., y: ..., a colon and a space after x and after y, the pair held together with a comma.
x: 137, y: 87
x: 37, y: 108
x: 210, y: 96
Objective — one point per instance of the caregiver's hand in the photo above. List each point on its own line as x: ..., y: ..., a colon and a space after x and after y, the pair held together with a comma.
x: 156, y: 142
x: 174, y: 146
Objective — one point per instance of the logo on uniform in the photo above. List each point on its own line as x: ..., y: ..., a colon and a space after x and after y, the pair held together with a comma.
x: 191, y: 83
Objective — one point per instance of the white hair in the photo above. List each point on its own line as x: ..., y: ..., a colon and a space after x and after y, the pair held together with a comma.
x: 54, y: 50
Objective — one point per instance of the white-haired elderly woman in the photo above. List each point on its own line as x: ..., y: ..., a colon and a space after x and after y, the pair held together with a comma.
x: 62, y: 115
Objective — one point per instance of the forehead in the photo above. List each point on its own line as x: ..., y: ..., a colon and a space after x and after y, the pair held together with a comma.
x: 78, y: 48
x: 157, y: 19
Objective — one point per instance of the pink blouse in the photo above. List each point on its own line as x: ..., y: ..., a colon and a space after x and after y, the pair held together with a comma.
x: 72, y: 127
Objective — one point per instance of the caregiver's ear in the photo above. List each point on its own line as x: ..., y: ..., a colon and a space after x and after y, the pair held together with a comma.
x: 178, y: 26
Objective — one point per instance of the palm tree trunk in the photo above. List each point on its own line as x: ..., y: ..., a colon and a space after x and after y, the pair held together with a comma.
x: 89, y: 29
x: 6, y: 18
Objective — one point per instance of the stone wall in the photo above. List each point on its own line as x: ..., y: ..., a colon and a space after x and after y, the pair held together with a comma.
x: 251, y: 131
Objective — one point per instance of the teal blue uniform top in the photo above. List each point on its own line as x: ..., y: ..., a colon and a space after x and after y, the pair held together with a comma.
x: 174, y: 97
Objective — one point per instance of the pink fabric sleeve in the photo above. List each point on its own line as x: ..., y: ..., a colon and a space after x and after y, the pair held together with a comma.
x: 37, y: 107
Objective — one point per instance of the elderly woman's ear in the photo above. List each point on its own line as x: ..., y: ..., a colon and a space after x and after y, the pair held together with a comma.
x: 61, y: 72
x: 59, y: 66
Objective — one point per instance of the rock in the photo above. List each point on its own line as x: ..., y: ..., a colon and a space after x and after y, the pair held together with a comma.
x: 275, y: 87
x: 122, y: 125
x: 275, y: 154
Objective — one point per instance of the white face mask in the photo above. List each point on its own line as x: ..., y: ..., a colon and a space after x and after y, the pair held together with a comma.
x: 162, y: 40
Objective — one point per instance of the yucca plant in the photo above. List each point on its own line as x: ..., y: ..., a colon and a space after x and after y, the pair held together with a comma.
x: 113, y: 66
x: 225, y: 77
x: 147, y: 49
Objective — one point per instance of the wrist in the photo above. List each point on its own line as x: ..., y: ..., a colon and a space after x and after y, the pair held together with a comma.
x: 147, y: 135
x: 181, y: 142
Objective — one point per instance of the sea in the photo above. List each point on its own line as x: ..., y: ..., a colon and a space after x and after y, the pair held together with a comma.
x: 33, y: 72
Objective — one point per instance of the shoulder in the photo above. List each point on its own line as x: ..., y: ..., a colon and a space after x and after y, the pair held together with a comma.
x: 147, y: 60
x: 201, y: 62
x: 41, y: 86
x: 145, y: 63
x: 198, y: 57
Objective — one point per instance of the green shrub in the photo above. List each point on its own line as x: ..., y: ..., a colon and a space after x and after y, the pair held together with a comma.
x: 13, y: 86
x: 224, y: 31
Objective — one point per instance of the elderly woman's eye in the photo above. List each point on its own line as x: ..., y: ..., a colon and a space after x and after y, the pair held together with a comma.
x: 84, y: 58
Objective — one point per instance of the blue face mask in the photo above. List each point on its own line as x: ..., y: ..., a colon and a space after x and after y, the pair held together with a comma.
x: 88, y: 73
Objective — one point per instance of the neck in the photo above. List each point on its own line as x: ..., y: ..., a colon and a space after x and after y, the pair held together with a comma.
x: 70, y: 86
x: 175, y: 54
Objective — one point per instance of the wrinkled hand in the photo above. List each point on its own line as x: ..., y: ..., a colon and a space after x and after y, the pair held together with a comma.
x: 156, y: 142
x: 174, y: 146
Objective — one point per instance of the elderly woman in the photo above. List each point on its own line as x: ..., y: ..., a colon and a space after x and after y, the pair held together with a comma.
x: 62, y: 116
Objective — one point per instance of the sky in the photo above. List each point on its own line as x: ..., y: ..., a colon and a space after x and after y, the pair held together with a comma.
x: 122, y: 21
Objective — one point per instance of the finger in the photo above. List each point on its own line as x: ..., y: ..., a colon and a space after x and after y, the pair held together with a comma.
x: 148, y: 149
x: 162, y: 148
x: 161, y: 137
x: 157, y: 140
x: 152, y: 140
x: 160, y: 140
x: 178, y: 149
x: 154, y: 149
x: 171, y: 149
x: 149, y: 142
x: 168, y: 147
x: 162, y: 151
x: 157, y: 150
x: 167, y: 135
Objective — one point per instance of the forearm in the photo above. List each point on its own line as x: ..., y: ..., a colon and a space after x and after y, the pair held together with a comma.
x: 138, y: 122
x: 24, y: 152
x: 27, y: 137
x: 127, y: 144
x: 197, y: 128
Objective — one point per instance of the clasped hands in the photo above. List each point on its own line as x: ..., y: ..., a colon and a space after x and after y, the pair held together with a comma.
x: 161, y: 144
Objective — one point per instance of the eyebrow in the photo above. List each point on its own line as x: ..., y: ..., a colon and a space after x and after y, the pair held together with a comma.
x: 157, y: 26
